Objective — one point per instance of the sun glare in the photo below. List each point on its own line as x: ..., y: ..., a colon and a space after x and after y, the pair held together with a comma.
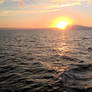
x: 62, y: 24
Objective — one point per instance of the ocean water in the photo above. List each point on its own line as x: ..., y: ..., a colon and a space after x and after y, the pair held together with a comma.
x: 44, y: 60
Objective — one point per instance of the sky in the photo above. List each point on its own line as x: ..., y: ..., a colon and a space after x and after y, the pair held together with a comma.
x: 42, y: 13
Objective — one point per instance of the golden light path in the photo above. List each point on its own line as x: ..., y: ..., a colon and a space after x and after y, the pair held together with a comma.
x: 61, y: 23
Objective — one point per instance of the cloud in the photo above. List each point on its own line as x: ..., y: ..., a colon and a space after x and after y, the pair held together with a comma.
x: 18, y: 12
x: 1, y: 1
x: 24, y: 12
x: 61, y: 5
x: 50, y: 3
x: 41, y: 6
x: 20, y: 2
x: 89, y: 1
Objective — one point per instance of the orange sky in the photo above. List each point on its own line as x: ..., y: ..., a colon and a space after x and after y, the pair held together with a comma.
x: 42, y: 13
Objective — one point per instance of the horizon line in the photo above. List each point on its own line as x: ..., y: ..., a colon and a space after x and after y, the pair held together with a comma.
x: 15, y: 28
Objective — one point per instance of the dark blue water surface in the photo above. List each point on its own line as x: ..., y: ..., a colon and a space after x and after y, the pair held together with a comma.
x: 45, y: 60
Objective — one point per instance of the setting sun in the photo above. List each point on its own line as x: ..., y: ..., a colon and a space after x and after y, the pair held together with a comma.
x: 62, y: 24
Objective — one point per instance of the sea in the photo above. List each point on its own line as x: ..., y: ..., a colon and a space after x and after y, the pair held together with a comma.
x: 45, y: 60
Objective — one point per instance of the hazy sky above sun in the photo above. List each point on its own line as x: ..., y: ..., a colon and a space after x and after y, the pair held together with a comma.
x: 42, y: 13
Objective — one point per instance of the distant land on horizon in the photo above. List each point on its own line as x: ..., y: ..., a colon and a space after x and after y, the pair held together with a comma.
x: 81, y: 27
x: 73, y: 27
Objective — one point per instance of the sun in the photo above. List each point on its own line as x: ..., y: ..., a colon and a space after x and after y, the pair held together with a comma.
x: 62, y: 24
